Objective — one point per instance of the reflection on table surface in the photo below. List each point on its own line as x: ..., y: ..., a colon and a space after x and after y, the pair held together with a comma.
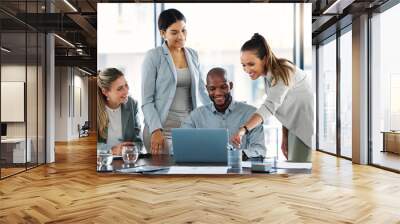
x: 165, y: 165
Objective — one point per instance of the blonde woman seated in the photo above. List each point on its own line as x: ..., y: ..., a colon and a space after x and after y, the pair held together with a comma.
x: 117, y: 113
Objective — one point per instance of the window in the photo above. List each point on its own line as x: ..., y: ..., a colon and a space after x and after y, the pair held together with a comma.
x: 346, y: 94
x: 327, y: 96
x: 222, y: 49
x: 217, y: 48
x: 125, y: 34
x: 22, y: 71
x: 385, y: 84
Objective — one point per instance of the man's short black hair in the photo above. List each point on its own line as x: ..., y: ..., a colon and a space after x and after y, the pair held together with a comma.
x: 218, y: 71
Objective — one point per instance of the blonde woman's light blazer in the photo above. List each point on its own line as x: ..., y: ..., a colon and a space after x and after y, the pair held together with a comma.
x: 292, y: 105
x: 159, y: 79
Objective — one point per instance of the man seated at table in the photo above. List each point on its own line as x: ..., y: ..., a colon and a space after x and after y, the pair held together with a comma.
x: 224, y: 112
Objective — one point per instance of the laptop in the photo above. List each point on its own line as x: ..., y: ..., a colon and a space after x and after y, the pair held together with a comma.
x: 200, y: 145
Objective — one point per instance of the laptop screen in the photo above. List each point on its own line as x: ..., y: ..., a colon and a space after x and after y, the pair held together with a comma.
x: 200, y: 145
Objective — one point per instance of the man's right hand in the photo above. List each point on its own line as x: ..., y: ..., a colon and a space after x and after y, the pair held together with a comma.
x: 236, y: 139
x: 157, y: 142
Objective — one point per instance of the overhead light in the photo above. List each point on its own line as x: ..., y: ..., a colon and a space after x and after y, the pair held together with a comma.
x: 80, y: 51
x: 64, y: 40
x: 70, y: 5
x: 84, y: 71
x: 5, y: 50
x: 337, y: 7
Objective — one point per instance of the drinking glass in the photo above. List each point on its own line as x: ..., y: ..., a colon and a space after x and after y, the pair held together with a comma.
x: 235, y: 158
x: 130, y: 154
x: 104, y: 158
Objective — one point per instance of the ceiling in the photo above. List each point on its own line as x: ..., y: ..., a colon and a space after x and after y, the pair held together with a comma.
x: 75, y: 21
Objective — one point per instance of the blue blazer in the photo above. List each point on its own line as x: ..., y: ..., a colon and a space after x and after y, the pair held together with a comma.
x: 159, y: 84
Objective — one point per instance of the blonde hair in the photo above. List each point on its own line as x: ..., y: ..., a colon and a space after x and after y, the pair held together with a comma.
x: 280, y: 68
x: 104, y: 81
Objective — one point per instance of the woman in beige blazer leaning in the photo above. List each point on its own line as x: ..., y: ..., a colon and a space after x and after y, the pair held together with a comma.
x: 289, y: 98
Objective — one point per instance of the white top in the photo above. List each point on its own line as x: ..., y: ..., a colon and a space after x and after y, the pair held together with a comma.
x: 292, y: 105
x: 114, y: 132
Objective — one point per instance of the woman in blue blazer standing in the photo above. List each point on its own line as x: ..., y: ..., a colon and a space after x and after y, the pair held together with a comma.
x: 172, y: 85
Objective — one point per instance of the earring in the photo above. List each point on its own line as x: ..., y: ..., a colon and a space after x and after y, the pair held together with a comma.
x: 108, y: 98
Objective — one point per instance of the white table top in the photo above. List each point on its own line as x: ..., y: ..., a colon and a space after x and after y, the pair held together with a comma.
x: 13, y: 140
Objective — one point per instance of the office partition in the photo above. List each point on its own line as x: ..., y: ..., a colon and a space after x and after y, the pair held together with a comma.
x: 22, y: 64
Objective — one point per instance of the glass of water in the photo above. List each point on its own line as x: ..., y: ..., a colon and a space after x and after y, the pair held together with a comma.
x: 104, y: 158
x: 104, y: 155
x: 130, y: 154
x: 235, y: 158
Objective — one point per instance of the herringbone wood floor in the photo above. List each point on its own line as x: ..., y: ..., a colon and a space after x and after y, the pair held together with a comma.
x: 70, y: 191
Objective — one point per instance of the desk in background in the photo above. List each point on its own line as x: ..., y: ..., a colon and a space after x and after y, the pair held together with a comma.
x: 391, y: 141
x: 13, y: 150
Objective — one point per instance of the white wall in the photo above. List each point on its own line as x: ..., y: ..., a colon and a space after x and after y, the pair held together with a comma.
x: 70, y: 83
x: 33, y: 126
x: 14, y: 73
x: 61, y: 103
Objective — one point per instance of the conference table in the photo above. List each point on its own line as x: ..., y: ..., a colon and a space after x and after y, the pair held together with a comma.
x: 165, y: 165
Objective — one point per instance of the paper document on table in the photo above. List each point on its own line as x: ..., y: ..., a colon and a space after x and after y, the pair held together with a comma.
x: 198, y: 170
x: 142, y: 169
x: 291, y: 165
